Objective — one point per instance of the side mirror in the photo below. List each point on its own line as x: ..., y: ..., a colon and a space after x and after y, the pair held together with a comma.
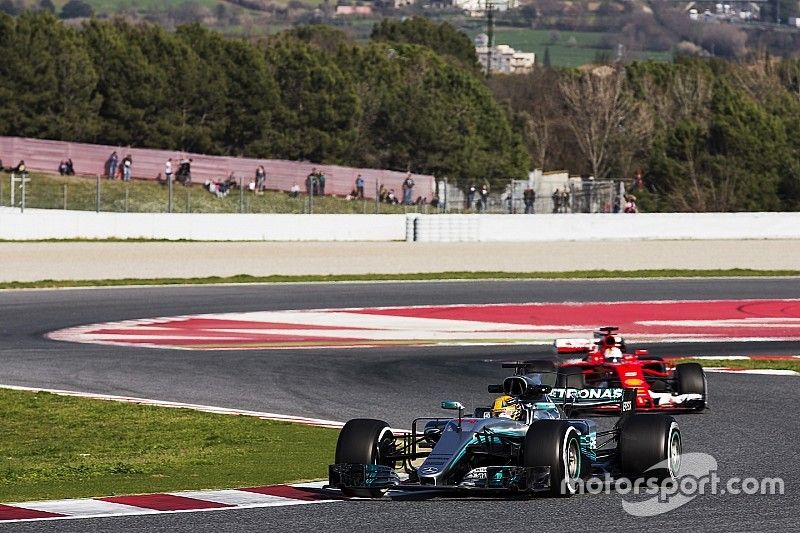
x: 539, y: 389
x: 496, y: 389
x: 452, y: 405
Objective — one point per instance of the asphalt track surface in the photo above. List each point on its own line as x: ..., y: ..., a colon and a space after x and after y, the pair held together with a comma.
x: 751, y: 429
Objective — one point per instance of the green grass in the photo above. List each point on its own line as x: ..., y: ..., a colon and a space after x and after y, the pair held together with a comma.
x: 425, y: 276
x: 47, y: 191
x: 62, y: 447
x: 586, y: 47
x: 770, y: 364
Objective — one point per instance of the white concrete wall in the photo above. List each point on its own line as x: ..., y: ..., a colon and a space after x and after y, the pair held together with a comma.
x: 57, y: 224
x: 600, y: 227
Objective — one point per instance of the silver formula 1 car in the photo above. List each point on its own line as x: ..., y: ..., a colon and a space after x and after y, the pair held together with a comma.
x: 527, y: 446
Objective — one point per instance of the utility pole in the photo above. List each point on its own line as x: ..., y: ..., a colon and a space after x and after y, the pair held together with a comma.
x: 490, y: 35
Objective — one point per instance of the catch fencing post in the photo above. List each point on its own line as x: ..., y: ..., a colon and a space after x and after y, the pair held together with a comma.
x: 97, y: 195
x: 126, y: 198
x: 65, y: 197
x: 24, y: 179
x: 169, y: 192
x: 377, y: 197
x: 241, y: 195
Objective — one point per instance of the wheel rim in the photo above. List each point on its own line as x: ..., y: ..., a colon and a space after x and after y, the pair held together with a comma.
x: 675, y: 450
x: 572, y: 465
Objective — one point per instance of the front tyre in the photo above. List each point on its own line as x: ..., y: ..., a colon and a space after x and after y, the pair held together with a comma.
x: 364, y: 441
x: 556, y: 444
x: 650, y: 445
x: 691, y: 379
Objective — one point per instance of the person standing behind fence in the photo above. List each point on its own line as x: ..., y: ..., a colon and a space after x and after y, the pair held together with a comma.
x: 127, y: 163
x: 408, y: 189
x: 168, y: 170
x: 360, y: 187
x: 261, y: 179
x: 321, y: 179
x: 529, y: 197
x: 311, y: 180
x: 111, y: 165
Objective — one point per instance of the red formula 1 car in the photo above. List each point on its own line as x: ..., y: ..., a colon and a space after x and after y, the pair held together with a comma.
x: 604, y: 368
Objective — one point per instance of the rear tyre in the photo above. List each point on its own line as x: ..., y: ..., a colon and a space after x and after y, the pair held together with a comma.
x: 691, y: 379
x: 364, y: 441
x: 570, y: 377
x: 555, y: 443
x: 650, y: 445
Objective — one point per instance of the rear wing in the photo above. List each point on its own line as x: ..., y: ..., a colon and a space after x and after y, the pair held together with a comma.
x: 594, y: 397
x: 574, y: 345
x: 566, y: 346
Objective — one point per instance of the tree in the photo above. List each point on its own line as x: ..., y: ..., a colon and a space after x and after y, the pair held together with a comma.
x: 76, y: 9
x: 599, y: 109
x: 443, y: 38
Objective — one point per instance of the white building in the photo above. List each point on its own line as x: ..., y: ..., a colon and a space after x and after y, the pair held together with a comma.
x: 504, y: 59
x: 477, y: 8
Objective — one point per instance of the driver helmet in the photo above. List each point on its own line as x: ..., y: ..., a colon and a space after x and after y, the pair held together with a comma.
x: 504, y: 408
x: 611, y: 353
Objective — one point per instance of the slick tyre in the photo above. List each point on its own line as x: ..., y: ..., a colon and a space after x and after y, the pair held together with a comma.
x: 364, y: 441
x: 555, y: 444
x: 650, y: 446
x: 570, y: 377
x: 691, y: 379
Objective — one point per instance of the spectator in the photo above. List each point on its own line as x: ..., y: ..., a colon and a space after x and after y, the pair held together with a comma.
x: 168, y: 170
x: 311, y: 183
x: 111, y: 165
x: 391, y: 198
x: 127, y: 163
x: 20, y: 168
x: 382, y: 193
x: 62, y: 168
x: 408, y: 189
x: 294, y: 192
x: 218, y: 189
x: 70, y: 167
x: 471, y: 195
x: 484, y: 202
x: 231, y: 182
x: 360, y: 187
x: 630, y: 204
x: 556, y: 201
x: 184, y: 174
x: 261, y: 179
x: 435, y: 200
x: 529, y: 197
x: 321, y: 180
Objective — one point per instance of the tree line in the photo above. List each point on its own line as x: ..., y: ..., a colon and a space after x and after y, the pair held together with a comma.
x: 692, y: 135
x: 307, y: 94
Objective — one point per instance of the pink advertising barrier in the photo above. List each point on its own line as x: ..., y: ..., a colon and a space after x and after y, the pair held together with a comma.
x: 90, y: 160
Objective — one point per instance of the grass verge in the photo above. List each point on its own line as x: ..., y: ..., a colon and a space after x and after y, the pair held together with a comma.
x: 425, y: 276
x: 767, y: 364
x: 62, y: 447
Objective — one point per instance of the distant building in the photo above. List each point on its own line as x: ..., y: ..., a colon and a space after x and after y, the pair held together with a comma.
x: 354, y: 10
x: 477, y: 8
x: 504, y: 59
